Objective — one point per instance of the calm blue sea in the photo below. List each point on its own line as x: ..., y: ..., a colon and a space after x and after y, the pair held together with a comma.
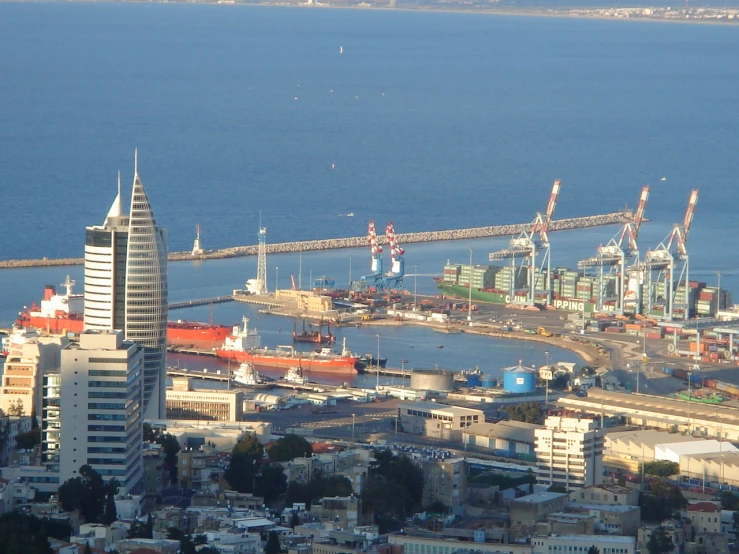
x: 432, y: 120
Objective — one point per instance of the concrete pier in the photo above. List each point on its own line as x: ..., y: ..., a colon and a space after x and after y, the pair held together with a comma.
x: 357, y: 242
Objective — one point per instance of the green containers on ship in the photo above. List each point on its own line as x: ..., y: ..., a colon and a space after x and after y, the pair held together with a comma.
x: 451, y: 273
x: 479, y: 276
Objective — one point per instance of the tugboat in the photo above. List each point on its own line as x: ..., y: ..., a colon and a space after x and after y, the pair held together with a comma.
x: 368, y: 360
x: 295, y: 375
x: 247, y: 376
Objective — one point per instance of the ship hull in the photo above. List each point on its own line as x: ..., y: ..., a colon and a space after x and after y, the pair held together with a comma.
x: 463, y: 293
x: 196, y: 335
x: 340, y: 364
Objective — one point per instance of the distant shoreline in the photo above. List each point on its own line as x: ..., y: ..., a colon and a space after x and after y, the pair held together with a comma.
x: 552, y: 13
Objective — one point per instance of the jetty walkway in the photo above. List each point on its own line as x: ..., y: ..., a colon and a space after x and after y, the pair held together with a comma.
x: 358, y: 242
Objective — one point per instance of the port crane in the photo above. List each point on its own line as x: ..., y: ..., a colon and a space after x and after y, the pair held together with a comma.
x: 375, y: 280
x: 525, y: 249
x: 613, y: 258
x: 394, y: 277
x: 668, y: 259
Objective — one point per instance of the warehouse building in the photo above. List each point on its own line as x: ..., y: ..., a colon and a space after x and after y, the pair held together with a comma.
x: 437, y: 420
x: 514, y: 439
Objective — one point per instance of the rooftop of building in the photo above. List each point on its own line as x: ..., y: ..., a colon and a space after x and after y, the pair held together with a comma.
x: 662, y: 408
x: 517, y: 431
x: 436, y: 407
x: 540, y: 497
x: 649, y: 437
x: 588, y: 539
x: 563, y: 516
x: 730, y: 458
x: 704, y: 507
x: 602, y: 507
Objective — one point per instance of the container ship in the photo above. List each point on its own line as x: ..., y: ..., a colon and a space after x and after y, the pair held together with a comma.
x: 576, y: 291
x: 244, y: 345
x: 62, y: 313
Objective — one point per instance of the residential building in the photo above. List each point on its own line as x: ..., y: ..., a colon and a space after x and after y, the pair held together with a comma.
x: 606, y: 494
x: 567, y: 523
x: 611, y: 519
x: 606, y: 544
x: 11, y: 427
x: 569, y: 452
x: 343, y: 510
x: 673, y: 529
x: 445, y: 481
x: 530, y: 509
x: 101, y: 408
x: 429, y: 544
x: 126, y: 285
x: 26, y: 364
x: 514, y: 439
x: 13, y: 494
x: 205, y: 405
x: 155, y: 476
x: 437, y: 420
x: 705, y: 517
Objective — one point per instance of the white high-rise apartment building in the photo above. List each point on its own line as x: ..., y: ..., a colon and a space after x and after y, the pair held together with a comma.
x: 569, y: 452
x: 126, y: 285
x: 101, y: 411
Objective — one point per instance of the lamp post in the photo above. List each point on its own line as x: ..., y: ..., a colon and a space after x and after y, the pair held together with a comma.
x: 546, y: 381
x: 353, y: 416
x: 277, y: 277
x: 469, y: 303
x: 377, y: 363
x: 350, y: 270
x: 415, y: 278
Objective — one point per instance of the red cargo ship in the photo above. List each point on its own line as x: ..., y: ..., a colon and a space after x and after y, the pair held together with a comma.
x: 62, y: 313
x: 244, y: 346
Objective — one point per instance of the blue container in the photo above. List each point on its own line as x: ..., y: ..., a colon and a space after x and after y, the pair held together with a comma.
x: 489, y: 382
x: 519, y: 380
x: 474, y: 380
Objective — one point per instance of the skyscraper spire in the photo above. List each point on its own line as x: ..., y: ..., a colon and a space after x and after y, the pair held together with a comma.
x: 115, y: 208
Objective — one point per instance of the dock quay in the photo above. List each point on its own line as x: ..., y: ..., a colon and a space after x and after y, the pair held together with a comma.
x: 200, y: 302
x: 358, y: 242
x: 197, y: 374
x: 191, y: 351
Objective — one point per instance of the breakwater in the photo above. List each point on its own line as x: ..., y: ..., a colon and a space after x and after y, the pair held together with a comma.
x: 358, y: 242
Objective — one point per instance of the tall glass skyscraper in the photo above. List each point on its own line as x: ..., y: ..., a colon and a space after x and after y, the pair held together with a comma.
x: 126, y: 286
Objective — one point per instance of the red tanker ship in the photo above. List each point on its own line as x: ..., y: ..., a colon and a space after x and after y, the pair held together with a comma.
x: 243, y: 345
x: 62, y: 313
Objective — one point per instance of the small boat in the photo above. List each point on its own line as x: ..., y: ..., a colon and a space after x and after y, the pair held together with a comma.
x: 440, y: 346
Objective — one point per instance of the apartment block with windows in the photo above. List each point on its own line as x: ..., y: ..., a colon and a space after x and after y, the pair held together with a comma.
x: 569, y: 452
x: 101, y: 408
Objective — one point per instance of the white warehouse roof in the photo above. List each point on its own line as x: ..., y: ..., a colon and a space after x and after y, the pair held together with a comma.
x: 674, y: 451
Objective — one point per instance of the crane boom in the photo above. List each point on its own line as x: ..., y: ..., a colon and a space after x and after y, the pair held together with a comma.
x: 639, y: 217
x: 689, y: 213
x: 553, y: 199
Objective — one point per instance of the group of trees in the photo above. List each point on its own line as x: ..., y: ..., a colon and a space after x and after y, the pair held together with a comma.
x: 141, y: 530
x: 661, y: 500
x: 660, y: 542
x: 188, y: 543
x: 394, y: 489
x: 318, y: 487
x: 528, y: 412
x: 662, y: 468
x: 28, y: 534
x: 170, y: 447
x: 503, y: 481
x: 248, y: 471
x: 89, y: 494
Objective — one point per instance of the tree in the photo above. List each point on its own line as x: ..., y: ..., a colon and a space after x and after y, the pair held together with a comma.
x: 242, y: 470
x: 140, y: 530
x: 170, y: 447
x: 660, y: 542
x: 729, y: 501
x: 662, y: 468
x: 557, y: 488
x: 16, y: 409
x: 29, y: 439
x: 149, y: 434
x: 593, y: 550
x: 85, y: 493
x: 26, y: 534
x: 271, y: 482
x: 560, y: 382
x: 294, y: 520
x: 528, y: 412
x: 273, y: 544
x: 87, y: 548
x: 393, y: 490
x: 111, y: 512
x: 661, y: 500
x: 318, y: 487
x: 288, y: 448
